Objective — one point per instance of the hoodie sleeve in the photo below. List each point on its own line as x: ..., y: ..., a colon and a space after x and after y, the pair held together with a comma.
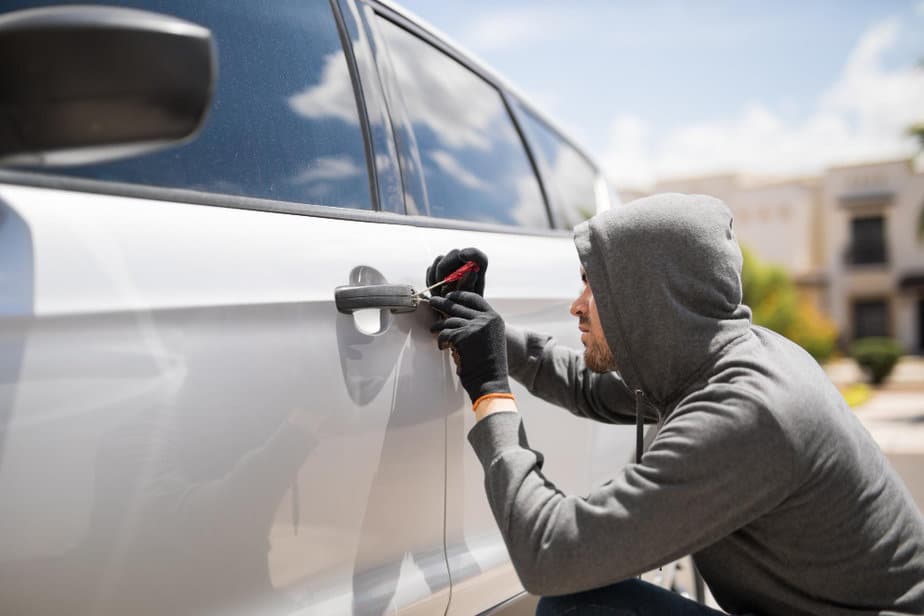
x: 642, y: 518
x: 558, y: 375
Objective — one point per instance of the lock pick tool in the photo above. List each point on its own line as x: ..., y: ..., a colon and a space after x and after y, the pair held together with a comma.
x: 469, y: 266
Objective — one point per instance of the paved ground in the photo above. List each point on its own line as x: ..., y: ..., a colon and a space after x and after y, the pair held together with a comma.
x: 894, y: 415
x: 896, y: 421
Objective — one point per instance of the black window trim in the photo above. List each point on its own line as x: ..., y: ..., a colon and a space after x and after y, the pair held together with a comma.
x: 347, y: 46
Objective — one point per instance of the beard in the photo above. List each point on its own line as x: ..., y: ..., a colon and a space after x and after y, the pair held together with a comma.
x: 598, y: 356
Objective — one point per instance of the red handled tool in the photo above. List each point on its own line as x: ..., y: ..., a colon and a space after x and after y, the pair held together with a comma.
x: 470, y: 266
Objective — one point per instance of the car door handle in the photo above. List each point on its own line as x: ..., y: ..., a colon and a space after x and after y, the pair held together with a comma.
x: 393, y: 297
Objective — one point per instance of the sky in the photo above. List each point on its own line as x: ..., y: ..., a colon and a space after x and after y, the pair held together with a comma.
x: 667, y: 89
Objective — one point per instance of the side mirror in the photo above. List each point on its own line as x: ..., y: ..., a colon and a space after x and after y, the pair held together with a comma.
x: 83, y: 84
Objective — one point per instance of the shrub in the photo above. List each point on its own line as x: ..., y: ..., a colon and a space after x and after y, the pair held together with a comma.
x: 775, y: 304
x: 813, y: 331
x: 877, y: 356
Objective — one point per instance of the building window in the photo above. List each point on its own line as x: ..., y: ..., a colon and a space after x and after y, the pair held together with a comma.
x: 867, y: 241
x: 870, y: 318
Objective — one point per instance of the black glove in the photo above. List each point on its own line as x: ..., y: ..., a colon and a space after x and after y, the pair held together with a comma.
x: 454, y: 259
x: 476, y: 332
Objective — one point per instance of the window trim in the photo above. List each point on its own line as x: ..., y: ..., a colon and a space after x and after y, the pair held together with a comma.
x: 361, y: 110
x: 192, y: 197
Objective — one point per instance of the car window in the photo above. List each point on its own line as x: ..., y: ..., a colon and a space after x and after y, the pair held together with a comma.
x: 283, y: 124
x: 475, y: 166
x: 570, y: 178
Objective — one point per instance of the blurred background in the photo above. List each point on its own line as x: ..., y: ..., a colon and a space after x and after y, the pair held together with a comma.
x: 806, y: 118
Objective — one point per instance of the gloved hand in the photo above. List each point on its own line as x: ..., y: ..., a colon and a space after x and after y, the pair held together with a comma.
x: 476, y: 332
x: 454, y: 259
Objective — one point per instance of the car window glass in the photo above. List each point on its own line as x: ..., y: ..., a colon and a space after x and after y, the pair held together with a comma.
x: 283, y: 123
x: 570, y: 178
x: 474, y: 163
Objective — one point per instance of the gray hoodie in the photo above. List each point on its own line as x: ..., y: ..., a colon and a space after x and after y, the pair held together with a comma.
x: 758, y: 469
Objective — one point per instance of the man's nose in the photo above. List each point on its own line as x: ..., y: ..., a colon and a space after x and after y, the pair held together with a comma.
x: 577, y: 306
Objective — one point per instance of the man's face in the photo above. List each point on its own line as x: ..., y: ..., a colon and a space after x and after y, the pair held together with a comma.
x: 597, y: 354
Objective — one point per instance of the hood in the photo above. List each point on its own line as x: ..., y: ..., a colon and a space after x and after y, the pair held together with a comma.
x: 665, y: 272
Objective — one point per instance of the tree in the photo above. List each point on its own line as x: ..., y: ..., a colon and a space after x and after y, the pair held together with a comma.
x: 775, y: 304
x: 917, y: 131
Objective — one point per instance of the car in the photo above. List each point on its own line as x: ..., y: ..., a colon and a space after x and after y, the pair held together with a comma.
x: 209, y: 403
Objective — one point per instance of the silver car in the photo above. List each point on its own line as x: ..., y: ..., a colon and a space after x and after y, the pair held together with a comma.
x: 216, y: 395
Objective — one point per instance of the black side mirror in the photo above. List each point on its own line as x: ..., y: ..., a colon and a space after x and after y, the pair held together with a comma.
x: 82, y: 84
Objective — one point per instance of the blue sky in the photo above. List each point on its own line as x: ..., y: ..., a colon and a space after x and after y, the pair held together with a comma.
x: 667, y: 88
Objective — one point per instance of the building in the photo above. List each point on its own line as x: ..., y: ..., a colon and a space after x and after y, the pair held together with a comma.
x: 849, y: 237
x: 875, y: 255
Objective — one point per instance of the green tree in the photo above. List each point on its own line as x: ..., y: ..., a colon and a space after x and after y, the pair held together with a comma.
x: 775, y: 304
x: 917, y: 131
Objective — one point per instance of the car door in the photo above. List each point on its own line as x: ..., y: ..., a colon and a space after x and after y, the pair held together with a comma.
x: 474, y: 183
x: 189, y: 425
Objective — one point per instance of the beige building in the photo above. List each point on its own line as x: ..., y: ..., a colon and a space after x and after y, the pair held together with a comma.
x: 875, y: 257
x: 849, y: 237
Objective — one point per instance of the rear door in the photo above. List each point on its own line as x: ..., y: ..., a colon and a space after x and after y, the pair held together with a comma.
x: 187, y: 423
x: 474, y: 183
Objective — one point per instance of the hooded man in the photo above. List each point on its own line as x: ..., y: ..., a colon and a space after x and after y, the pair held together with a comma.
x: 758, y: 469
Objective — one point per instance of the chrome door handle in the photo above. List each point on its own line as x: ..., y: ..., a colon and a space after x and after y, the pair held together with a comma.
x: 394, y: 297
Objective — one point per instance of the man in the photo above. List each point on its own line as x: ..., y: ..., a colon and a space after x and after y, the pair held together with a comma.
x: 759, y: 469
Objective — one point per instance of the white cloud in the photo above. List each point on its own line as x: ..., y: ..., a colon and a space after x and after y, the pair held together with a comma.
x: 861, y: 117
x: 451, y: 93
x: 920, y: 8
x: 518, y: 28
x: 332, y: 97
x: 454, y: 168
x: 329, y: 168
x: 629, y: 158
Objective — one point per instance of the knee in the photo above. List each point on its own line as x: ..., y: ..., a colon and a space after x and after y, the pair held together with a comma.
x: 617, y: 599
x: 553, y: 606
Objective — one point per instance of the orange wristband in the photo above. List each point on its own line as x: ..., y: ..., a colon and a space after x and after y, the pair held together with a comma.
x: 488, y: 397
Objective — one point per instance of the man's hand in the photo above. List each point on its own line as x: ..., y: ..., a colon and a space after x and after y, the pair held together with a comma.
x: 454, y: 259
x: 473, y: 330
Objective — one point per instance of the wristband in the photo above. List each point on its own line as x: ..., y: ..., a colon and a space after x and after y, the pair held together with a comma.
x: 481, y: 399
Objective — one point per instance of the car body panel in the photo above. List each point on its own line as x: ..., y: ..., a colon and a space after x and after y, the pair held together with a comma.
x: 179, y: 376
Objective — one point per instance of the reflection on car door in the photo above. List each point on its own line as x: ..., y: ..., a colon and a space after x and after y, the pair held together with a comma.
x: 188, y: 425
x: 193, y: 426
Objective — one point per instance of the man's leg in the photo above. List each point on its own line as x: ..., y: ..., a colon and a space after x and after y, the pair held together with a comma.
x: 629, y: 598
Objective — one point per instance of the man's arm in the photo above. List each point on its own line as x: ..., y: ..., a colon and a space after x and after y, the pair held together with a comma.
x: 558, y: 375
x: 642, y: 518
